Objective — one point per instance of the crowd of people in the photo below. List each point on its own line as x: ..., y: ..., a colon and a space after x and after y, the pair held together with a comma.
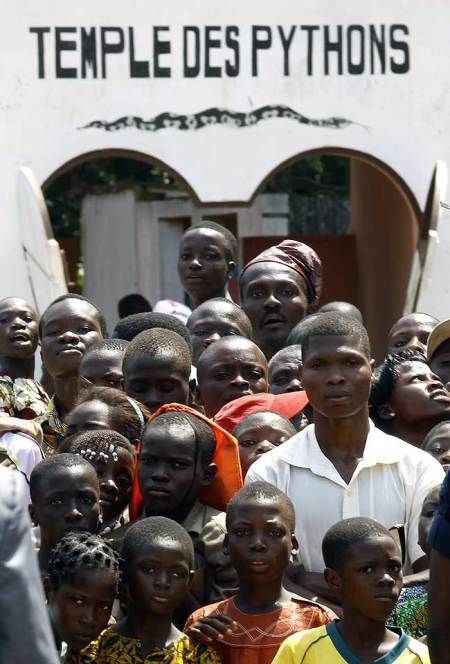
x: 241, y: 485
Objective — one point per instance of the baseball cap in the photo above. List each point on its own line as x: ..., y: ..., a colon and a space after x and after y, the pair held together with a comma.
x: 437, y: 337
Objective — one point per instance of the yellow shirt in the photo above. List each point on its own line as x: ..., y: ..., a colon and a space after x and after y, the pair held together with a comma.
x: 324, y: 645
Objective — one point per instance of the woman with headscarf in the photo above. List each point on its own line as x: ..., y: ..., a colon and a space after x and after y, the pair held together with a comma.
x: 278, y: 288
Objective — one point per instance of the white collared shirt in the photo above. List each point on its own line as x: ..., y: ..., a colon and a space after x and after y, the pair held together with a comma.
x: 389, y: 484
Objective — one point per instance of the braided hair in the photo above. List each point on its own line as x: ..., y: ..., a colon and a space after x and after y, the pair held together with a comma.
x: 97, y: 445
x: 76, y: 552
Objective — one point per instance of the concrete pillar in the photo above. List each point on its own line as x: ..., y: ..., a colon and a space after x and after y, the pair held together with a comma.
x: 386, y: 231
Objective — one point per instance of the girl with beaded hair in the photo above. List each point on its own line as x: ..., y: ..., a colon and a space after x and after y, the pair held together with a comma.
x: 81, y: 586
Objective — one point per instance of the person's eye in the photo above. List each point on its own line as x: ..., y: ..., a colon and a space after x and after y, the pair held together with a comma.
x: 124, y: 481
x: 212, y: 256
x: 88, y: 499
x: 315, y: 365
x: 138, y: 387
x: 240, y: 532
x: 287, y: 292
x: 247, y: 443
x: 255, y: 373
x: 367, y: 569
x: 148, y: 569
x: 28, y: 319
x: 220, y: 375
x: 146, y: 460
x: 77, y: 600
x: 400, y: 343
x: 58, y: 500
x: 395, y: 568
x: 257, y: 292
x: 277, y: 532
x: 52, y: 333
x: 106, y: 607
x: 352, y: 364
x: 185, y: 257
x: 179, y: 574
x: 167, y: 387
x: 200, y: 333
x: 84, y: 329
x: 179, y: 465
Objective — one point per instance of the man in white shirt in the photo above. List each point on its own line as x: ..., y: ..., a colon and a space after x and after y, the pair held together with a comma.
x: 342, y: 466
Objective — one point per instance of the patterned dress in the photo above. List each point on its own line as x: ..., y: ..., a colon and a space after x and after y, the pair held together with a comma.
x: 112, y: 648
x: 411, y: 612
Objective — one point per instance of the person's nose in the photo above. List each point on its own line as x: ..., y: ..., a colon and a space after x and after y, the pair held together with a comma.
x: 294, y: 385
x: 257, y: 543
x: 263, y: 447
x: 435, y: 382
x: 109, y: 484
x: 239, y: 380
x: 335, y: 376
x: 160, y: 473
x: 271, y: 301
x: 195, y: 263
x: 17, y: 323
x: 162, y: 579
x: 386, y: 578
x: 445, y: 457
x: 415, y: 344
x: 211, y: 338
x: 68, y: 337
x: 74, y: 513
x: 87, y: 616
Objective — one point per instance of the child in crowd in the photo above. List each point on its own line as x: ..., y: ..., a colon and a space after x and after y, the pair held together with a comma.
x: 65, y: 496
x: 407, y: 398
x: 364, y: 567
x: 81, y: 586
x: 230, y: 368
x: 411, y: 612
x: 157, y: 560
x: 284, y: 370
x: 437, y: 443
x: 68, y: 327
x: 156, y: 368
x: 250, y: 626
x: 215, y: 319
x: 131, y: 326
x: 438, y: 351
x: 108, y: 408
x: 101, y: 365
x: 260, y: 432
x: 113, y: 458
x: 206, y: 262
x: 411, y: 331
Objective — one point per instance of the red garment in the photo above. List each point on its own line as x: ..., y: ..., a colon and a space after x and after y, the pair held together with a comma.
x: 288, y: 404
x: 258, y: 636
x: 228, y: 478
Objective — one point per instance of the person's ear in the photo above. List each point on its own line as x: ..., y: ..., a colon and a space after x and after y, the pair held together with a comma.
x: 231, y: 265
x: 226, y: 545
x: 333, y: 579
x: 209, y: 474
x: 295, y: 544
x: 385, y: 412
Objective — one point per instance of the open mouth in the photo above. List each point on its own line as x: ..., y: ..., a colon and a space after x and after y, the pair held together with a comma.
x: 273, y: 320
x: 440, y: 395
x: 20, y: 337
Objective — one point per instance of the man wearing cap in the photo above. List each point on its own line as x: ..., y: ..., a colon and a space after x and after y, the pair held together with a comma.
x: 439, y: 586
x: 438, y: 351
x: 278, y: 288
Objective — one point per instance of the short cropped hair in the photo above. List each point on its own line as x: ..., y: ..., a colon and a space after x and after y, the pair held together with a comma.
x: 344, y: 534
x: 160, y: 343
x: 254, y: 416
x: 116, y: 345
x: 333, y: 324
x: 134, y: 303
x: 44, y: 469
x: 385, y: 378
x: 205, y: 439
x: 344, y: 308
x: 279, y: 355
x: 434, y: 431
x: 236, y: 312
x: 231, y: 246
x: 295, y: 336
x: 95, y: 445
x: 265, y: 492
x: 76, y: 552
x: 155, y: 529
x: 128, y: 328
x: 75, y: 296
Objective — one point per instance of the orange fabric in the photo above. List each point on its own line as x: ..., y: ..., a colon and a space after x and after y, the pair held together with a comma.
x: 258, y: 636
x: 288, y: 404
x: 228, y: 478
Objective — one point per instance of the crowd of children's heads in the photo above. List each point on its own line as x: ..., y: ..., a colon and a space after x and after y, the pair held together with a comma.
x: 140, y: 498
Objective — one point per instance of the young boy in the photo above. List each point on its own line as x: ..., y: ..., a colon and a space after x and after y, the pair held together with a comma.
x: 68, y: 327
x: 260, y: 432
x: 284, y: 370
x: 215, y: 319
x: 437, y: 443
x: 101, y: 365
x: 156, y: 368
x: 250, y: 626
x: 364, y: 567
x: 65, y: 496
x: 411, y: 331
x: 230, y: 368
x: 131, y: 326
x: 206, y: 262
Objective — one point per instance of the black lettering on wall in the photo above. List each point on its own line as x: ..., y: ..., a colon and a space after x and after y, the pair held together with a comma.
x: 138, y: 68
x: 88, y: 52
x: 356, y: 52
x: 191, y: 32
x: 331, y: 46
x: 378, y: 44
x: 286, y: 44
x: 259, y: 43
x: 232, y: 42
x: 40, y: 32
x: 399, y: 66
x: 160, y: 47
x: 309, y: 29
x: 210, y: 43
x: 111, y: 47
x: 61, y: 45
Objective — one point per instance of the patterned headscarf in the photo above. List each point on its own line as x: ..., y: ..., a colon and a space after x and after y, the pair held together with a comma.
x: 298, y: 257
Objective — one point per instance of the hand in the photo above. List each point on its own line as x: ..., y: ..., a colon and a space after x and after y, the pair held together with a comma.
x: 211, y: 628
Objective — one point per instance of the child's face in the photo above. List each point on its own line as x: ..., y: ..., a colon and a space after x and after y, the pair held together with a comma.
x: 440, y: 362
x: 69, y: 328
x: 211, y: 322
x: 116, y: 482
x: 411, y: 331
x: 419, y: 394
x: 439, y: 446
x: 262, y: 433
x: 284, y: 373
x: 103, y: 369
x: 156, y: 381
x: 370, y: 579
x: 429, y: 508
x: 169, y: 478
x: 68, y: 501
x: 18, y: 329
x: 203, y: 267
x: 260, y: 540
x: 158, y: 577
x: 92, y: 414
x: 237, y: 368
x: 80, y: 610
